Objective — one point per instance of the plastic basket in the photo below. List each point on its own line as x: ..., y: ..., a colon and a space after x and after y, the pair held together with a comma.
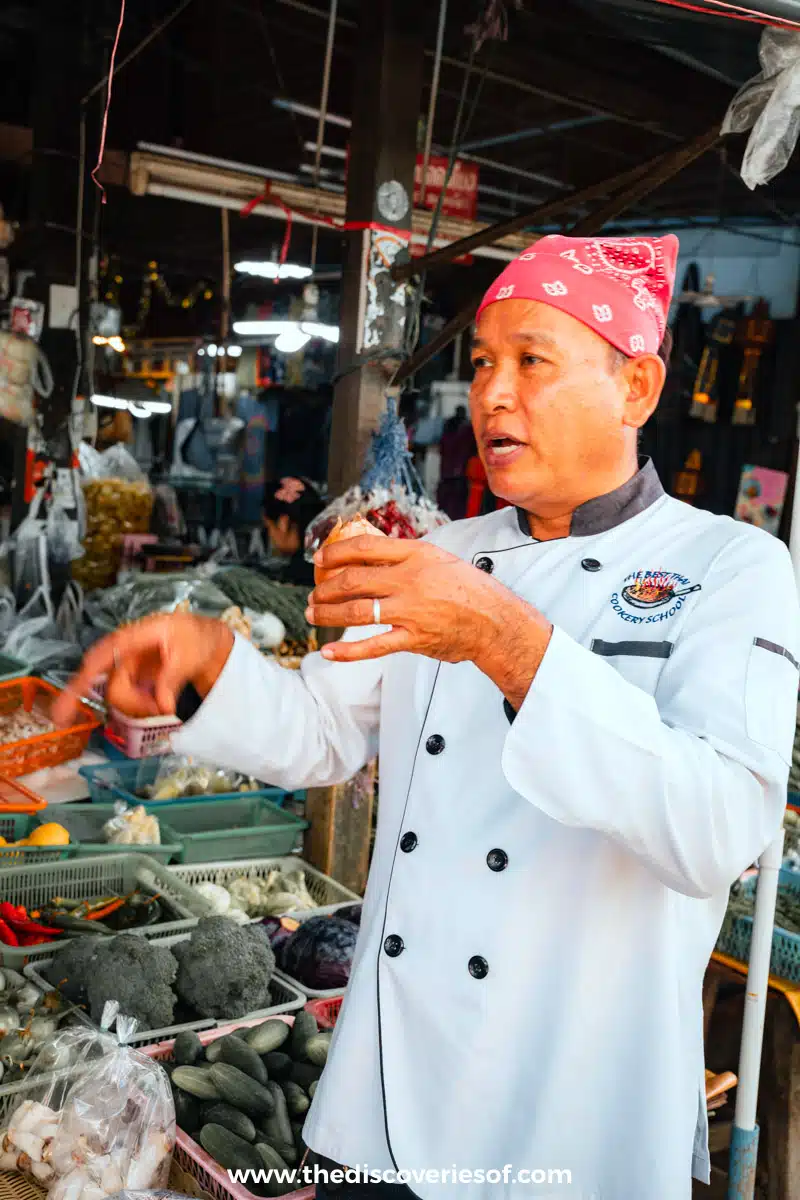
x: 46, y: 749
x: 211, y: 1176
x: 14, y: 826
x: 76, y: 878
x: 327, y: 894
x: 325, y: 1011
x: 15, y: 798
x: 85, y: 822
x: 11, y: 667
x: 785, y: 959
x: 238, y: 828
x: 141, y: 737
x: 123, y: 780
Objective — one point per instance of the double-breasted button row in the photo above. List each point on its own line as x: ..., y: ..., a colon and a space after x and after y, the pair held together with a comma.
x: 477, y: 966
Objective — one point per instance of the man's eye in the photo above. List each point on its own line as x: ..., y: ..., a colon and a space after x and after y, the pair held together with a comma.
x: 479, y: 360
x: 530, y: 360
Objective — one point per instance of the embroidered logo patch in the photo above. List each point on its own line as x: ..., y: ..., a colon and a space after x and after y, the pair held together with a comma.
x: 650, y: 596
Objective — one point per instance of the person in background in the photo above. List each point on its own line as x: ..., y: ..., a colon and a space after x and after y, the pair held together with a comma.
x: 289, y: 508
x: 457, y: 445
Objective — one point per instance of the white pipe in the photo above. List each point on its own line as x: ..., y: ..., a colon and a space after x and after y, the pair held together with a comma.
x: 755, y: 1000
x: 209, y: 160
x: 326, y: 82
x: 794, y: 531
x: 437, y: 65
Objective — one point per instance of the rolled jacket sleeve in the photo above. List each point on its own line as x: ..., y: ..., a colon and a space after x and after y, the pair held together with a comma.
x: 308, y: 728
x: 691, y: 780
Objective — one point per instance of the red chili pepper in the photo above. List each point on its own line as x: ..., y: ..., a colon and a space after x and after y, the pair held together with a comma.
x: 7, y: 935
x: 34, y: 939
x: 18, y: 919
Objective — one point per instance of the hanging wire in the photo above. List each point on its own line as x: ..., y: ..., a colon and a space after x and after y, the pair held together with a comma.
x: 104, y: 126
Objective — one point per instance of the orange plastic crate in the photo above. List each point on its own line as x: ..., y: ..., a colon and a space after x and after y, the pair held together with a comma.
x: 45, y: 749
x: 16, y: 798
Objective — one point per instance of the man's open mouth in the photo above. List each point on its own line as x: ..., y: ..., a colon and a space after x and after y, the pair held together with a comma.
x: 502, y: 447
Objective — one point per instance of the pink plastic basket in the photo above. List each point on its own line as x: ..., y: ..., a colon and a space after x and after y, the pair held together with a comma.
x: 325, y: 1011
x: 210, y: 1175
x: 141, y: 737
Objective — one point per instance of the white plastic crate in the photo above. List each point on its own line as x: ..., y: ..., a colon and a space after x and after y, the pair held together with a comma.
x: 79, y: 878
x: 286, y: 997
x: 327, y: 894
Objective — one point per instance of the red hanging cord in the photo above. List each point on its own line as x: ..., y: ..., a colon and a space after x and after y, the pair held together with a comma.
x: 734, y: 12
x: 102, y: 149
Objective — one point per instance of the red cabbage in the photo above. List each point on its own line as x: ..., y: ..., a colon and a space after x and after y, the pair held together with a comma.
x: 319, y: 953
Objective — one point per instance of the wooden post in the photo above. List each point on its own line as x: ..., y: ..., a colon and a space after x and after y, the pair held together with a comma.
x: 380, y: 191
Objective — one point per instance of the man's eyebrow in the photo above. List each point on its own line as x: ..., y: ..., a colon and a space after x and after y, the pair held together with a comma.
x: 543, y: 339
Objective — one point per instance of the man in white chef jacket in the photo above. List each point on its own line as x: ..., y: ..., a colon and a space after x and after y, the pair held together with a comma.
x: 584, y: 707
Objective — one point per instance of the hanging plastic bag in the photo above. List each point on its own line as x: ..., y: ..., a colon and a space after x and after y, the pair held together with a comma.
x: 101, y: 1124
x: 8, y: 611
x: 769, y: 104
x: 118, y: 501
x: 390, y: 495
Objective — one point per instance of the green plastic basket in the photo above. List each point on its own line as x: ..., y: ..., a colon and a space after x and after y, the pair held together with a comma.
x: 14, y: 826
x: 85, y: 825
x: 242, y: 827
x: 785, y: 957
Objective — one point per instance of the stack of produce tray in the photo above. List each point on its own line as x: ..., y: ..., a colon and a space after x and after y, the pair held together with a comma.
x: 84, y: 823
x: 326, y: 894
x: 255, y: 1095
x: 737, y: 928
x: 238, y: 828
x: 285, y: 997
x: 118, y: 875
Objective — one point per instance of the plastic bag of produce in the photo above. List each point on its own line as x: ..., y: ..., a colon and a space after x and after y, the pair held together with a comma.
x: 179, y: 777
x: 132, y: 826
x: 104, y: 1123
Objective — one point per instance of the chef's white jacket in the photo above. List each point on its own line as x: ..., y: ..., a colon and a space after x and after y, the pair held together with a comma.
x: 546, y: 886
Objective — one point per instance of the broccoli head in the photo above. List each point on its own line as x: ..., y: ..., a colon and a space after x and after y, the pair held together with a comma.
x: 71, y: 968
x: 138, y: 974
x: 224, y: 970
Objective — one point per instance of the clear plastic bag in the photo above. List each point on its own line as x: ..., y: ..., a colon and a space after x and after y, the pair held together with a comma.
x: 179, y: 777
x: 132, y: 826
x: 104, y: 1123
x: 393, y: 510
x: 769, y: 104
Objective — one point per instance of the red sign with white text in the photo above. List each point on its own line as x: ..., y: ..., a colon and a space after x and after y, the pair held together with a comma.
x: 461, y: 197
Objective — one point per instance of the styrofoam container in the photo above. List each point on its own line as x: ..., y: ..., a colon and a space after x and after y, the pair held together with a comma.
x: 326, y: 892
x: 80, y: 878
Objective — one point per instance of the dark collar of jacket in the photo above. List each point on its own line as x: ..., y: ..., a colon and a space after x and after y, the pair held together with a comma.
x: 606, y: 512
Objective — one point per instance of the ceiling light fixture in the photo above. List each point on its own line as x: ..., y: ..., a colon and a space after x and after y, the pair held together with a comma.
x: 309, y: 329
x: 292, y: 340
x: 103, y: 401
x: 273, y: 270
x: 115, y: 342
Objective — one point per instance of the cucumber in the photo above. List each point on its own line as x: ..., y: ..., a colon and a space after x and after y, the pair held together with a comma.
x: 238, y: 1054
x: 296, y: 1099
x: 270, y: 1035
x: 196, y: 1081
x: 271, y: 1160
x: 187, y: 1048
x: 297, y: 1130
x: 230, y: 1118
x: 228, y: 1150
x: 187, y: 1111
x: 312, y: 1087
x: 304, y: 1027
x: 278, y: 1123
x: 305, y: 1074
x: 278, y: 1064
x: 214, y: 1050
x: 240, y: 1090
x: 287, y: 1150
x: 317, y: 1048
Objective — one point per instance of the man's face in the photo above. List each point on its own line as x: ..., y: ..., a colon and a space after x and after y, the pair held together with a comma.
x: 548, y: 406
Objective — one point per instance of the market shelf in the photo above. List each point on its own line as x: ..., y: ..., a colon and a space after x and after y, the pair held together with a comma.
x: 327, y: 894
x: 81, y: 877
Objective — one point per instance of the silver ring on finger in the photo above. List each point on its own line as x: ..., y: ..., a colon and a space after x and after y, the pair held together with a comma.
x: 376, y: 612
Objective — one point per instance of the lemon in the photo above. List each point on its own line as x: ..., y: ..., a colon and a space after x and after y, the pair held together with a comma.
x: 51, y: 834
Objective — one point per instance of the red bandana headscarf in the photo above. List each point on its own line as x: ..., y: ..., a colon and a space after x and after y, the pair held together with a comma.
x: 620, y: 287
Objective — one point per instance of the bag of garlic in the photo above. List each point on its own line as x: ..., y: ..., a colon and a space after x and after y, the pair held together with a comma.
x: 103, y: 1124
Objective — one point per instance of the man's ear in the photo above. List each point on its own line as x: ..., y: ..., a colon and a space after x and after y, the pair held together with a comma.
x: 645, y: 377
